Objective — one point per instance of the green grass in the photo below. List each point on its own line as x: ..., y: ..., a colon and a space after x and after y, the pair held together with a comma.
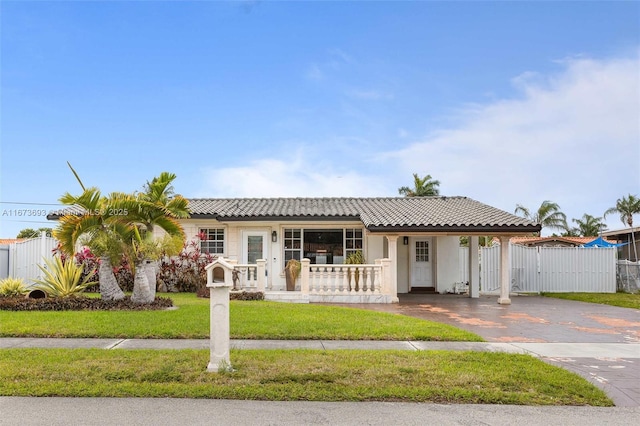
x: 624, y: 300
x: 341, y: 375
x: 249, y: 320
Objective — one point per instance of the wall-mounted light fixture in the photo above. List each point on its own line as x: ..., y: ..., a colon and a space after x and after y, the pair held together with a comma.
x: 274, y: 236
x: 405, y: 241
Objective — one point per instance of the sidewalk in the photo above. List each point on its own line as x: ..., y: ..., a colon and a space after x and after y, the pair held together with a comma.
x: 542, y: 350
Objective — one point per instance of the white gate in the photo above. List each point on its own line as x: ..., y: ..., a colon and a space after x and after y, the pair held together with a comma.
x: 25, y: 256
x: 551, y: 269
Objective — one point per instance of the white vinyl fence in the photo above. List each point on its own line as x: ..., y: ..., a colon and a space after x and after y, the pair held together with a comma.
x: 551, y: 269
x: 4, y: 261
x: 463, y: 256
x: 25, y: 256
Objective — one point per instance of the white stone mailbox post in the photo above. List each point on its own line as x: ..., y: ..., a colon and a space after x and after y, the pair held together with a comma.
x: 219, y: 314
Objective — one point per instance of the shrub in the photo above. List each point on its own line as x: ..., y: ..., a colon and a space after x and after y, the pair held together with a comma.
x: 80, y: 303
x: 236, y: 295
x: 63, y: 278
x: 186, y: 271
x: 11, y: 287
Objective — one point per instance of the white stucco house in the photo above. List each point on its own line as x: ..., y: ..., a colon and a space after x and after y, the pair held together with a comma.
x: 409, y: 244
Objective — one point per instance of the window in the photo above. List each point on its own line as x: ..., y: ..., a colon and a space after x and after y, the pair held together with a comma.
x: 422, y: 251
x: 292, y: 244
x: 321, y: 246
x: 212, y: 240
x: 352, y: 241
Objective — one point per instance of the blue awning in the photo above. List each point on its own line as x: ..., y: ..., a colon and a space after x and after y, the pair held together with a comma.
x: 600, y: 242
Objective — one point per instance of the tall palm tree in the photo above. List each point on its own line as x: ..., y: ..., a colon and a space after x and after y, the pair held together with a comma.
x: 627, y: 207
x: 590, y: 226
x: 548, y: 215
x: 157, y: 206
x: 422, y: 187
x: 92, y: 221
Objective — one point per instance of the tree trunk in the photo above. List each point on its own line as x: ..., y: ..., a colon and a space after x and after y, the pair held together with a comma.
x: 141, y: 290
x: 151, y: 268
x: 109, y: 288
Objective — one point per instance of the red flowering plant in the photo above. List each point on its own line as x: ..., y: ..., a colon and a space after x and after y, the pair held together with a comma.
x: 186, y: 271
x: 87, y: 260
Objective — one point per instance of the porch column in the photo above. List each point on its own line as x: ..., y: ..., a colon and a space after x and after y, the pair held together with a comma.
x: 261, y: 274
x: 505, y: 269
x: 474, y: 268
x: 304, y: 275
x: 393, y: 257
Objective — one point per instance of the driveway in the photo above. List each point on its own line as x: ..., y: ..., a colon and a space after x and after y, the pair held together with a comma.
x: 531, y: 319
x: 537, y: 319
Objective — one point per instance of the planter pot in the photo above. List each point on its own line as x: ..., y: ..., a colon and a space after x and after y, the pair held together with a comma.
x: 291, y: 283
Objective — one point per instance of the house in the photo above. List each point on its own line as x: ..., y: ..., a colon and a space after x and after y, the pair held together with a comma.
x: 409, y: 244
x: 553, y: 241
x: 627, y: 237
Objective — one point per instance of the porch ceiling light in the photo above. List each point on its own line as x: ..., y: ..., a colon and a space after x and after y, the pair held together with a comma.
x: 274, y: 236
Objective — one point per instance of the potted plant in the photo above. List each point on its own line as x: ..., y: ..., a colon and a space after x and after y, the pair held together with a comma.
x: 291, y: 273
x: 355, y: 258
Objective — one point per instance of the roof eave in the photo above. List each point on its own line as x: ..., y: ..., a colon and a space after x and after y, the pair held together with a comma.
x: 275, y: 218
x: 458, y: 229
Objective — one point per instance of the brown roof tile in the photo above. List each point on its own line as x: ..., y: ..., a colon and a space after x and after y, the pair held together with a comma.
x: 377, y: 214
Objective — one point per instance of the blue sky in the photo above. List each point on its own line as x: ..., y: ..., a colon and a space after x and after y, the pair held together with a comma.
x: 503, y: 102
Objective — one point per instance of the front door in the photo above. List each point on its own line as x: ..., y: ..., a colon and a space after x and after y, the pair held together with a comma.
x: 421, y: 253
x: 254, y: 246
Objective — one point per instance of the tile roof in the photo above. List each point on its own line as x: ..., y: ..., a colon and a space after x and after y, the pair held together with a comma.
x: 377, y: 214
x: 574, y: 240
x: 4, y: 241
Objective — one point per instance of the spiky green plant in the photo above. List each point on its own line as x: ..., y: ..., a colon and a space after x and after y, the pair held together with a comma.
x: 63, y: 279
x: 13, y: 287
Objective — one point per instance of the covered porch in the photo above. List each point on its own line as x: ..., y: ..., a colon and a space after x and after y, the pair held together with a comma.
x: 375, y: 282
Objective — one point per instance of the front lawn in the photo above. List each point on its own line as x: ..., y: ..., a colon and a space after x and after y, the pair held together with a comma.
x: 249, y: 320
x: 624, y: 300
x: 303, y: 375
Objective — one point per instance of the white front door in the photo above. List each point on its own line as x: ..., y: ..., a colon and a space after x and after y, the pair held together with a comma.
x: 421, y: 253
x: 254, y: 246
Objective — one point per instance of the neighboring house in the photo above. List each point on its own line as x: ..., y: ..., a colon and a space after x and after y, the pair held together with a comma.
x: 552, y: 241
x: 410, y: 244
x: 622, y: 236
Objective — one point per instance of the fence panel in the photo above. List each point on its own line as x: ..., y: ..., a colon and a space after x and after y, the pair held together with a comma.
x: 490, y: 269
x: 25, y: 256
x: 4, y: 261
x: 463, y: 255
x: 551, y: 269
x: 577, y: 269
x: 628, y: 276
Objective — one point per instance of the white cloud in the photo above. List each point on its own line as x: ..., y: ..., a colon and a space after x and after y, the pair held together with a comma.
x: 299, y: 177
x: 573, y: 138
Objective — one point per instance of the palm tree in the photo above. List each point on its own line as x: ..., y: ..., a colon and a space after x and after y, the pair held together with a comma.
x: 627, y: 207
x: 590, y: 226
x: 548, y: 215
x: 94, y: 224
x: 159, y: 206
x: 422, y: 187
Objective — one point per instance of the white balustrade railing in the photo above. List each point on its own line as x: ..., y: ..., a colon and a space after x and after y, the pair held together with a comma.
x: 246, y: 276
x: 345, y: 279
x: 366, y: 279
